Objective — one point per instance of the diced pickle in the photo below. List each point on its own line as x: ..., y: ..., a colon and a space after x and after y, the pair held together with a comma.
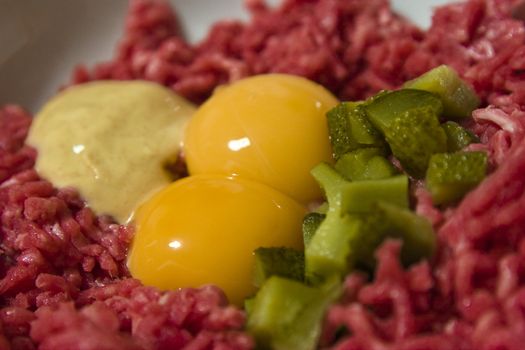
x: 451, y: 175
x: 379, y: 168
x: 350, y: 129
x: 248, y: 305
x: 311, y: 223
x: 414, y: 136
x: 416, y: 232
x: 339, y: 130
x: 359, y: 197
x: 362, y: 131
x: 386, y: 108
x: 279, y: 261
x: 287, y: 315
x: 457, y: 136
x: 331, y: 182
x: 329, y: 252
x: 365, y: 164
x: 459, y: 99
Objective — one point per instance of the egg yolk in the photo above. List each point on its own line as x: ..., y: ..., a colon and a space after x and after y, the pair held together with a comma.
x: 203, y: 230
x: 269, y: 128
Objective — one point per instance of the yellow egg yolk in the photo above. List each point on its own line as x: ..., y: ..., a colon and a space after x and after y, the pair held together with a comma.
x: 203, y: 230
x: 268, y: 128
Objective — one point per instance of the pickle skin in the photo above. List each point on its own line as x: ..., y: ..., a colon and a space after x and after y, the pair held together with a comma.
x: 365, y: 164
x: 457, y: 136
x: 278, y: 261
x: 385, y: 108
x: 459, y: 99
x: 414, y: 136
x: 349, y: 129
x: 451, y: 175
x: 339, y: 130
x: 359, y: 197
x: 311, y: 223
x: 287, y: 315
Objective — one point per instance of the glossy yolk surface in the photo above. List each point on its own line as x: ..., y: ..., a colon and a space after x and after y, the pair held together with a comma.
x: 268, y: 128
x: 203, y: 230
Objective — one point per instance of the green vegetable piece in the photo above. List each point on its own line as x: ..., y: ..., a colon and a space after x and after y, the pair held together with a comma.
x: 365, y: 164
x: 384, y: 109
x: 457, y: 136
x: 287, y: 315
x: 389, y: 220
x: 339, y: 130
x: 414, y: 136
x: 329, y: 252
x: 350, y: 129
x: 379, y: 168
x: 311, y: 223
x: 359, y: 197
x: 279, y: 261
x: 451, y: 175
x: 331, y: 182
x: 362, y: 131
x: 459, y: 99
x: 248, y: 305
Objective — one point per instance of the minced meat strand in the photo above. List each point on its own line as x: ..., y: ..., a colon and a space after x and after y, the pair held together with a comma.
x: 63, y: 279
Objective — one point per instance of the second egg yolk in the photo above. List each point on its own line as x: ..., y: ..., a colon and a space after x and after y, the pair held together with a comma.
x: 203, y: 230
x: 269, y: 128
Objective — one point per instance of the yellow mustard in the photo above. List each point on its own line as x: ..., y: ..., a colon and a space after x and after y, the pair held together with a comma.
x: 111, y: 141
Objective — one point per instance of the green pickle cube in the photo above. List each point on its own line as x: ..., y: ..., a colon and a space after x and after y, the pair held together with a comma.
x: 365, y: 164
x: 278, y: 261
x: 287, y: 315
x: 388, y: 220
x: 311, y: 223
x: 459, y: 99
x: 451, y: 175
x: 409, y: 120
x: 360, y: 196
x: 328, y: 251
x: 350, y: 129
x: 457, y: 136
x: 385, y: 108
x: 362, y: 131
x: 339, y: 130
x: 414, y: 137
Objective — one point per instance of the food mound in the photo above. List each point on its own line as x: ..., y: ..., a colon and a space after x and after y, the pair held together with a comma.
x: 64, y: 278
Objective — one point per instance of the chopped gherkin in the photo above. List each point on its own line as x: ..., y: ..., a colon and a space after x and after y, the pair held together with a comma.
x: 451, y: 175
x: 279, y: 261
x: 331, y: 182
x: 360, y: 196
x: 328, y: 252
x: 287, y: 315
x: 362, y: 131
x: 457, y: 136
x: 459, y: 99
x: 311, y: 223
x: 388, y: 220
x: 365, y: 164
x: 350, y: 129
x: 414, y: 136
x: 383, y: 110
x: 339, y: 130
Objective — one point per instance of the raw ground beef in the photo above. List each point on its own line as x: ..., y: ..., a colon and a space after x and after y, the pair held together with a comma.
x: 63, y: 280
